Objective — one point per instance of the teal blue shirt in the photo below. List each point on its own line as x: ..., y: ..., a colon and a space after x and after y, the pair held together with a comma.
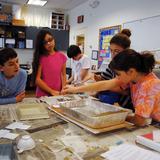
x: 10, y: 88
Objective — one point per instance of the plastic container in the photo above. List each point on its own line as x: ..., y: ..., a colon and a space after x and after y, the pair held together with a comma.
x: 93, y: 113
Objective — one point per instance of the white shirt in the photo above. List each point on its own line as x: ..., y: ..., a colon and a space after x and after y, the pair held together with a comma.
x: 77, y: 66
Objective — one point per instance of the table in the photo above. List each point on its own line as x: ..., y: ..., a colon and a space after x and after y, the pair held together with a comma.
x: 59, y: 140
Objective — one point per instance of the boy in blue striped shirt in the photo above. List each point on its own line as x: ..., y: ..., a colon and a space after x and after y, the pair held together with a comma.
x: 12, y: 78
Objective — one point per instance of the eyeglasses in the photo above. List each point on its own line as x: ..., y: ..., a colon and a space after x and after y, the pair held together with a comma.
x: 115, y: 51
x: 48, y: 42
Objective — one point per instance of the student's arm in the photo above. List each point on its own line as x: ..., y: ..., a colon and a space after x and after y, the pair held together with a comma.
x: 22, y: 82
x: 63, y: 75
x: 43, y: 85
x: 7, y: 100
x: 70, y: 79
x: 84, y: 75
x: 14, y: 99
x: 89, y: 76
x: 21, y: 86
x: 138, y: 120
x: 98, y: 86
x: 98, y: 77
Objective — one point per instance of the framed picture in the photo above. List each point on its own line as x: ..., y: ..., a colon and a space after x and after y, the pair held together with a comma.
x: 105, y: 35
x: 94, y: 55
x: 80, y: 19
x: 94, y: 67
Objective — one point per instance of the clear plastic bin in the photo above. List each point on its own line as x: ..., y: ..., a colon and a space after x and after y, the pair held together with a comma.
x: 94, y: 113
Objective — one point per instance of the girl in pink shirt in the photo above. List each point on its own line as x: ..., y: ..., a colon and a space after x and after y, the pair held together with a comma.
x: 49, y: 66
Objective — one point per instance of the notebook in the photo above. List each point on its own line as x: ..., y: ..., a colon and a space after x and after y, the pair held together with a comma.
x: 130, y: 152
x: 151, y: 140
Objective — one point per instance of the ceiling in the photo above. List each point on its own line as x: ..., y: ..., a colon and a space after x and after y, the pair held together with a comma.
x: 52, y: 4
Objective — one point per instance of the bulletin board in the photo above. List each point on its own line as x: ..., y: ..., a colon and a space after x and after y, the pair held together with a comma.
x: 105, y: 35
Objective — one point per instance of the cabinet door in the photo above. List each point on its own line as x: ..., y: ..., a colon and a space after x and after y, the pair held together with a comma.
x: 62, y: 39
x: 31, y: 33
x: 15, y: 36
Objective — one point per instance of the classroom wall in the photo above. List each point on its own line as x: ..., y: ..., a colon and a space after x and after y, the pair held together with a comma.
x: 108, y: 13
x: 26, y: 55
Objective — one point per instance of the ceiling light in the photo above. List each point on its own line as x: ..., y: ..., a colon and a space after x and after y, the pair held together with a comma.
x: 37, y: 2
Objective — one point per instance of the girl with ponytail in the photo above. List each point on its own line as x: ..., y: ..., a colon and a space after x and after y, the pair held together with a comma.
x: 133, y: 70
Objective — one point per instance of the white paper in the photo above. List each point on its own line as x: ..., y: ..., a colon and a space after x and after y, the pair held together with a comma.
x: 10, y: 41
x: 29, y: 43
x: 130, y: 152
x: 6, y: 134
x: 1, y: 42
x: 156, y: 135
x: 11, y: 136
x: 50, y: 101
x: 18, y: 125
x: 94, y: 55
x: 3, y: 132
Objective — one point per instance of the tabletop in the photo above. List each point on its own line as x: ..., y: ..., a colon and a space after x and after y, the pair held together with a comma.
x: 57, y: 140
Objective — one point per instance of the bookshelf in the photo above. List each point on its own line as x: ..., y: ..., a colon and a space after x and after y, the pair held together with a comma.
x: 57, y: 21
x: 12, y: 36
x: 23, y: 37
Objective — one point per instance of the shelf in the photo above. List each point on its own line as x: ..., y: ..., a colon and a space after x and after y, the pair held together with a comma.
x: 57, y: 21
x: 13, y: 36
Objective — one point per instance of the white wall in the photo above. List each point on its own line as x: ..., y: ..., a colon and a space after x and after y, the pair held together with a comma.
x: 25, y: 55
x: 108, y: 13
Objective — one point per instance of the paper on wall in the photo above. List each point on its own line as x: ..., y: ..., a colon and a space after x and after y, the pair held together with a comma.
x: 29, y: 43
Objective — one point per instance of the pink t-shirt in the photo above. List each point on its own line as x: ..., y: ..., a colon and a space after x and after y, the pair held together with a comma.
x: 51, y: 72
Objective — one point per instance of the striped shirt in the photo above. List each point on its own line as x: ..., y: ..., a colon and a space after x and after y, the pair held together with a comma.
x: 109, y: 74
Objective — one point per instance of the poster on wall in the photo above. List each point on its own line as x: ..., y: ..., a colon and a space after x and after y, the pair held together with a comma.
x: 105, y: 35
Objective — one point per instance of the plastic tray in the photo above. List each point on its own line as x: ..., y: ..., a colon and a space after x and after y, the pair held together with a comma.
x: 93, y: 113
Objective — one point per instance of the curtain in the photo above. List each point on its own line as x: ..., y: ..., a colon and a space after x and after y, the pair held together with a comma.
x: 35, y: 16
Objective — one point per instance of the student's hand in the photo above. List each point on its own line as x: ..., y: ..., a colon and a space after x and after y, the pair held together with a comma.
x: 97, y: 77
x: 138, y: 120
x: 68, y: 89
x: 55, y: 93
x: 20, y: 97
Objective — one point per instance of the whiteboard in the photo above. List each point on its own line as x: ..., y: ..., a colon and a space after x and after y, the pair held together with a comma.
x: 145, y: 33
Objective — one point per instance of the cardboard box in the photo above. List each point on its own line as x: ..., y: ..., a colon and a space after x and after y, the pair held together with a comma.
x: 3, y: 18
x: 18, y: 22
